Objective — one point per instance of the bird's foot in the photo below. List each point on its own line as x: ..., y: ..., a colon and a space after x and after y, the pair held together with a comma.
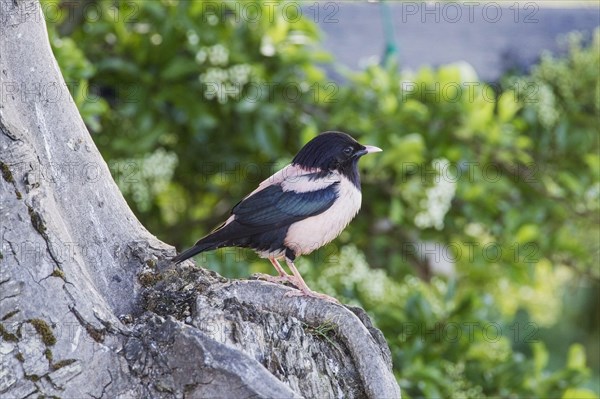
x: 277, y: 279
x: 312, y: 294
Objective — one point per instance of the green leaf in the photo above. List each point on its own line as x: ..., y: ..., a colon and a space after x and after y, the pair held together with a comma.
x: 405, y: 151
x: 396, y: 211
x: 540, y: 356
x: 576, y: 357
x: 507, y: 106
x: 527, y: 233
x: 579, y: 393
x: 178, y: 69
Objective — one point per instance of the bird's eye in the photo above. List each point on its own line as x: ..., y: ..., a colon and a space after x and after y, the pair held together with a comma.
x: 348, y: 151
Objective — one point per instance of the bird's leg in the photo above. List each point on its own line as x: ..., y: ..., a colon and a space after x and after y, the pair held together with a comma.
x: 301, y: 284
x: 282, y: 277
x: 278, y: 267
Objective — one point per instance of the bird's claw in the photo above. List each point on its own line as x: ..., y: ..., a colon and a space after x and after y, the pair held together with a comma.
x: 292, y: 280
x: 312, y: 294
x: 277, y: 279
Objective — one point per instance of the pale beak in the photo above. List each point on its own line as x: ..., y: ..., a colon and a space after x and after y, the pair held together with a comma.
x: 368, y: 149
x: 372, y: 148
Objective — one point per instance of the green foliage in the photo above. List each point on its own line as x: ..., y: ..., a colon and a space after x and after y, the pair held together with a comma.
x: 479, y: 218
x: 76, y: 72
x: 473, y: 189
x: 450, y: 138
x: 448, y: 341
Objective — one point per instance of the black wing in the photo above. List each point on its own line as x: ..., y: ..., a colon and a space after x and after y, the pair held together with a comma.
x: 272, y: 207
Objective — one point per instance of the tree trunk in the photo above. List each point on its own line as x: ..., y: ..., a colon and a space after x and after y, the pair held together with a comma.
x: 84, y: 310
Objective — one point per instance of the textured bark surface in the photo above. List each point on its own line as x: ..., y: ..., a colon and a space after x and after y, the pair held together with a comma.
x: 84, y: 312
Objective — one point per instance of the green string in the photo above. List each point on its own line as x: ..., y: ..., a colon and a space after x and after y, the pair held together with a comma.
x: 391, y: 49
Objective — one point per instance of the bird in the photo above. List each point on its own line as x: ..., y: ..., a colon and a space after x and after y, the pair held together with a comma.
x: 297, y: 210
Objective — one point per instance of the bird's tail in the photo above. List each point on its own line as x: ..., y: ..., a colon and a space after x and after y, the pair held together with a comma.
x: 200, y: 246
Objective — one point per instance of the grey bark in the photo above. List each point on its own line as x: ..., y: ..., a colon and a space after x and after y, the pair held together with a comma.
x: 84, y: 312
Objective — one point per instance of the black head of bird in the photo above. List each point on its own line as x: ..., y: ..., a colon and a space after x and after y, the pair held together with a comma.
x: 299, y: 209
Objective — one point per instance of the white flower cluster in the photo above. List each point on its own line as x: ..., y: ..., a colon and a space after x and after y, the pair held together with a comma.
x: 192, y: 37
x: 240, y: 73
x: 212, y: 19
x: 459, y: 385
x: 217, y: 55
x: 353, y: 272
x: 546, y: 106
x: 214, y: 75
x: 438, y: 198
x: 221, y: 83
x: 224, y: 84
x: 145, y: 178
x: 372, y: 283
x: 267, y: 48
